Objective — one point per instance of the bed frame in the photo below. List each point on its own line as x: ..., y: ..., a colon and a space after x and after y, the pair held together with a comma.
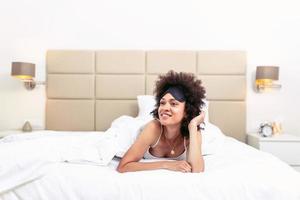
x: 87, y: 89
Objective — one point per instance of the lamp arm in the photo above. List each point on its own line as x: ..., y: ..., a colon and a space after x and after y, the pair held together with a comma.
x: 30, y: 84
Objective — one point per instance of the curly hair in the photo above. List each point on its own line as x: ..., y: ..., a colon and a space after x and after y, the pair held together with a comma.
x: 193, y: 91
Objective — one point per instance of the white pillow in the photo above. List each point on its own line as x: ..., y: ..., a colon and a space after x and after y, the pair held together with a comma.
x: 125, y: 129
x: 205, y: 109
x: 212, y: 139
x: 146, y: 104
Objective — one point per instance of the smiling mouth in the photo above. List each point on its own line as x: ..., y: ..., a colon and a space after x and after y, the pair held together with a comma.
x: 165, y: 115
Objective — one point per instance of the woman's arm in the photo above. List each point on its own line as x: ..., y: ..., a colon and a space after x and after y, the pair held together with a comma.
x: 130, y: 161
x: 195, y: 158
x: 181, y: 165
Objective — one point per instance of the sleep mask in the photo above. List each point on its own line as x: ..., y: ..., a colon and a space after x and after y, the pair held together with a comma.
x: 176, y: 92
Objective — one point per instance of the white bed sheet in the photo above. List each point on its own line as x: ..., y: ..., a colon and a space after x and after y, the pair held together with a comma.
x: 237, y: 171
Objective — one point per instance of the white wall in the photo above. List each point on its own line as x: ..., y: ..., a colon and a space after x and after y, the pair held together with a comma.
x: 268, y: 30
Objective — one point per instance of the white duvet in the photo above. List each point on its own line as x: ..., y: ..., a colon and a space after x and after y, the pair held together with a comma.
x: 27, y: 157
x: 81, y: 169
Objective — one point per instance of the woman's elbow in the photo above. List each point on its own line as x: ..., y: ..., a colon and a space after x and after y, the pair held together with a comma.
x: 121, y: 169
x: 198, y: 170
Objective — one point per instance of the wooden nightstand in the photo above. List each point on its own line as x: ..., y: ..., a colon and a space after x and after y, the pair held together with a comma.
x: 284, y: 146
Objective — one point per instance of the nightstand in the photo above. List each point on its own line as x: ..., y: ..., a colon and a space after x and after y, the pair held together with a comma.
x: 284, y: 146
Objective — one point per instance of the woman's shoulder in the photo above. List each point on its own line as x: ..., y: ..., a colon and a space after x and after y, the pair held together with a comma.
x: 153, y: 125
x: 152, y: 128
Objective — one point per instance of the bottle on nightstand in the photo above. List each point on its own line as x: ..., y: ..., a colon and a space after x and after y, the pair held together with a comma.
x: 277, y: 128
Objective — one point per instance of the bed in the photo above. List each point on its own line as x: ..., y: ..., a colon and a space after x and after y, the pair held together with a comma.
x: 92, y: 110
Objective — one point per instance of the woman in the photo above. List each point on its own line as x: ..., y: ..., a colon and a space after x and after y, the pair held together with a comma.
x: 173, y: 136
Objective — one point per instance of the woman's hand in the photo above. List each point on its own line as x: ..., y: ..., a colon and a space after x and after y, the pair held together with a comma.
x: 197, y: 120
x: 181, y: 165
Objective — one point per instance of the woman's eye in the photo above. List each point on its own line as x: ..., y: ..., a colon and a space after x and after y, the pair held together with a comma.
x: 162, y: 103
x: 173, y: 104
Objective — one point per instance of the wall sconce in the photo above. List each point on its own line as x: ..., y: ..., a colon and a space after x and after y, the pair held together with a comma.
x: 25, y: 72
x: 265, y: 77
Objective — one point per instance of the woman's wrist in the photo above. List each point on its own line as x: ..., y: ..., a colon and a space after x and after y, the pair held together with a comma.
x: 165, y: 165
x: 194, y: 131
x: 192, y: 126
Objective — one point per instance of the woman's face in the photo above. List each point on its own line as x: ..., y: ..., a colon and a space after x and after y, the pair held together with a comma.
x: 170, y: 111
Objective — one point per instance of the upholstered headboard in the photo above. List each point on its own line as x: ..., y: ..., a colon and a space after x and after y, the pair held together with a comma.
x: 87, y: 89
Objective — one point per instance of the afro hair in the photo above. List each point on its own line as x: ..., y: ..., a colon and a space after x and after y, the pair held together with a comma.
x: 193, y: 91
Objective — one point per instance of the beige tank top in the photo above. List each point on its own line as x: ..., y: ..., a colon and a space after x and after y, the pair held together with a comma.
x: 148, y: 155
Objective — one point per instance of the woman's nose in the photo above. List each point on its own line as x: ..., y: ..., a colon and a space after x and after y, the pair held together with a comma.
x: 165, y: 106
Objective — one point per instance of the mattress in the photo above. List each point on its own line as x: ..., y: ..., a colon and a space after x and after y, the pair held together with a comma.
x: 235, y: 171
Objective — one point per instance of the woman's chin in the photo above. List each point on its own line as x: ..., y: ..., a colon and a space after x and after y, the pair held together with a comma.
x: 166, y: 122
x: 163, y: 122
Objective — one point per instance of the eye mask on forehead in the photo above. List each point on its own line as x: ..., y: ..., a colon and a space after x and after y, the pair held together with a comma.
x: 176, y: 92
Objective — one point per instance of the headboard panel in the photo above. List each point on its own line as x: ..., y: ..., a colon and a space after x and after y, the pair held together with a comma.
x: 87, y: 89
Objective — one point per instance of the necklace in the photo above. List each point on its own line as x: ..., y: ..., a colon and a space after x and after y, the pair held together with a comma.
x: 172, y: 152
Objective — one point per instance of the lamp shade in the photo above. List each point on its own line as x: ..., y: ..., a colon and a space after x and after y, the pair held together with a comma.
x: 267, y: 72
x: 23, y: 70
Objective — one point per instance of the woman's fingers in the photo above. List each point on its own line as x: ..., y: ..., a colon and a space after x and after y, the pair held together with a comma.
x: 182, y: 166
x: 186, y: 166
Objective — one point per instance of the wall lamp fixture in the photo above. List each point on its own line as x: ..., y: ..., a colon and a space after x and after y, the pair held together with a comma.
x: 26, y: 72
x: 265, y: 77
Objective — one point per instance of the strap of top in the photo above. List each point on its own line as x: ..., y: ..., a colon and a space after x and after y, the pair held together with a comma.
x: 161, y: 131
x: 184, y: 143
